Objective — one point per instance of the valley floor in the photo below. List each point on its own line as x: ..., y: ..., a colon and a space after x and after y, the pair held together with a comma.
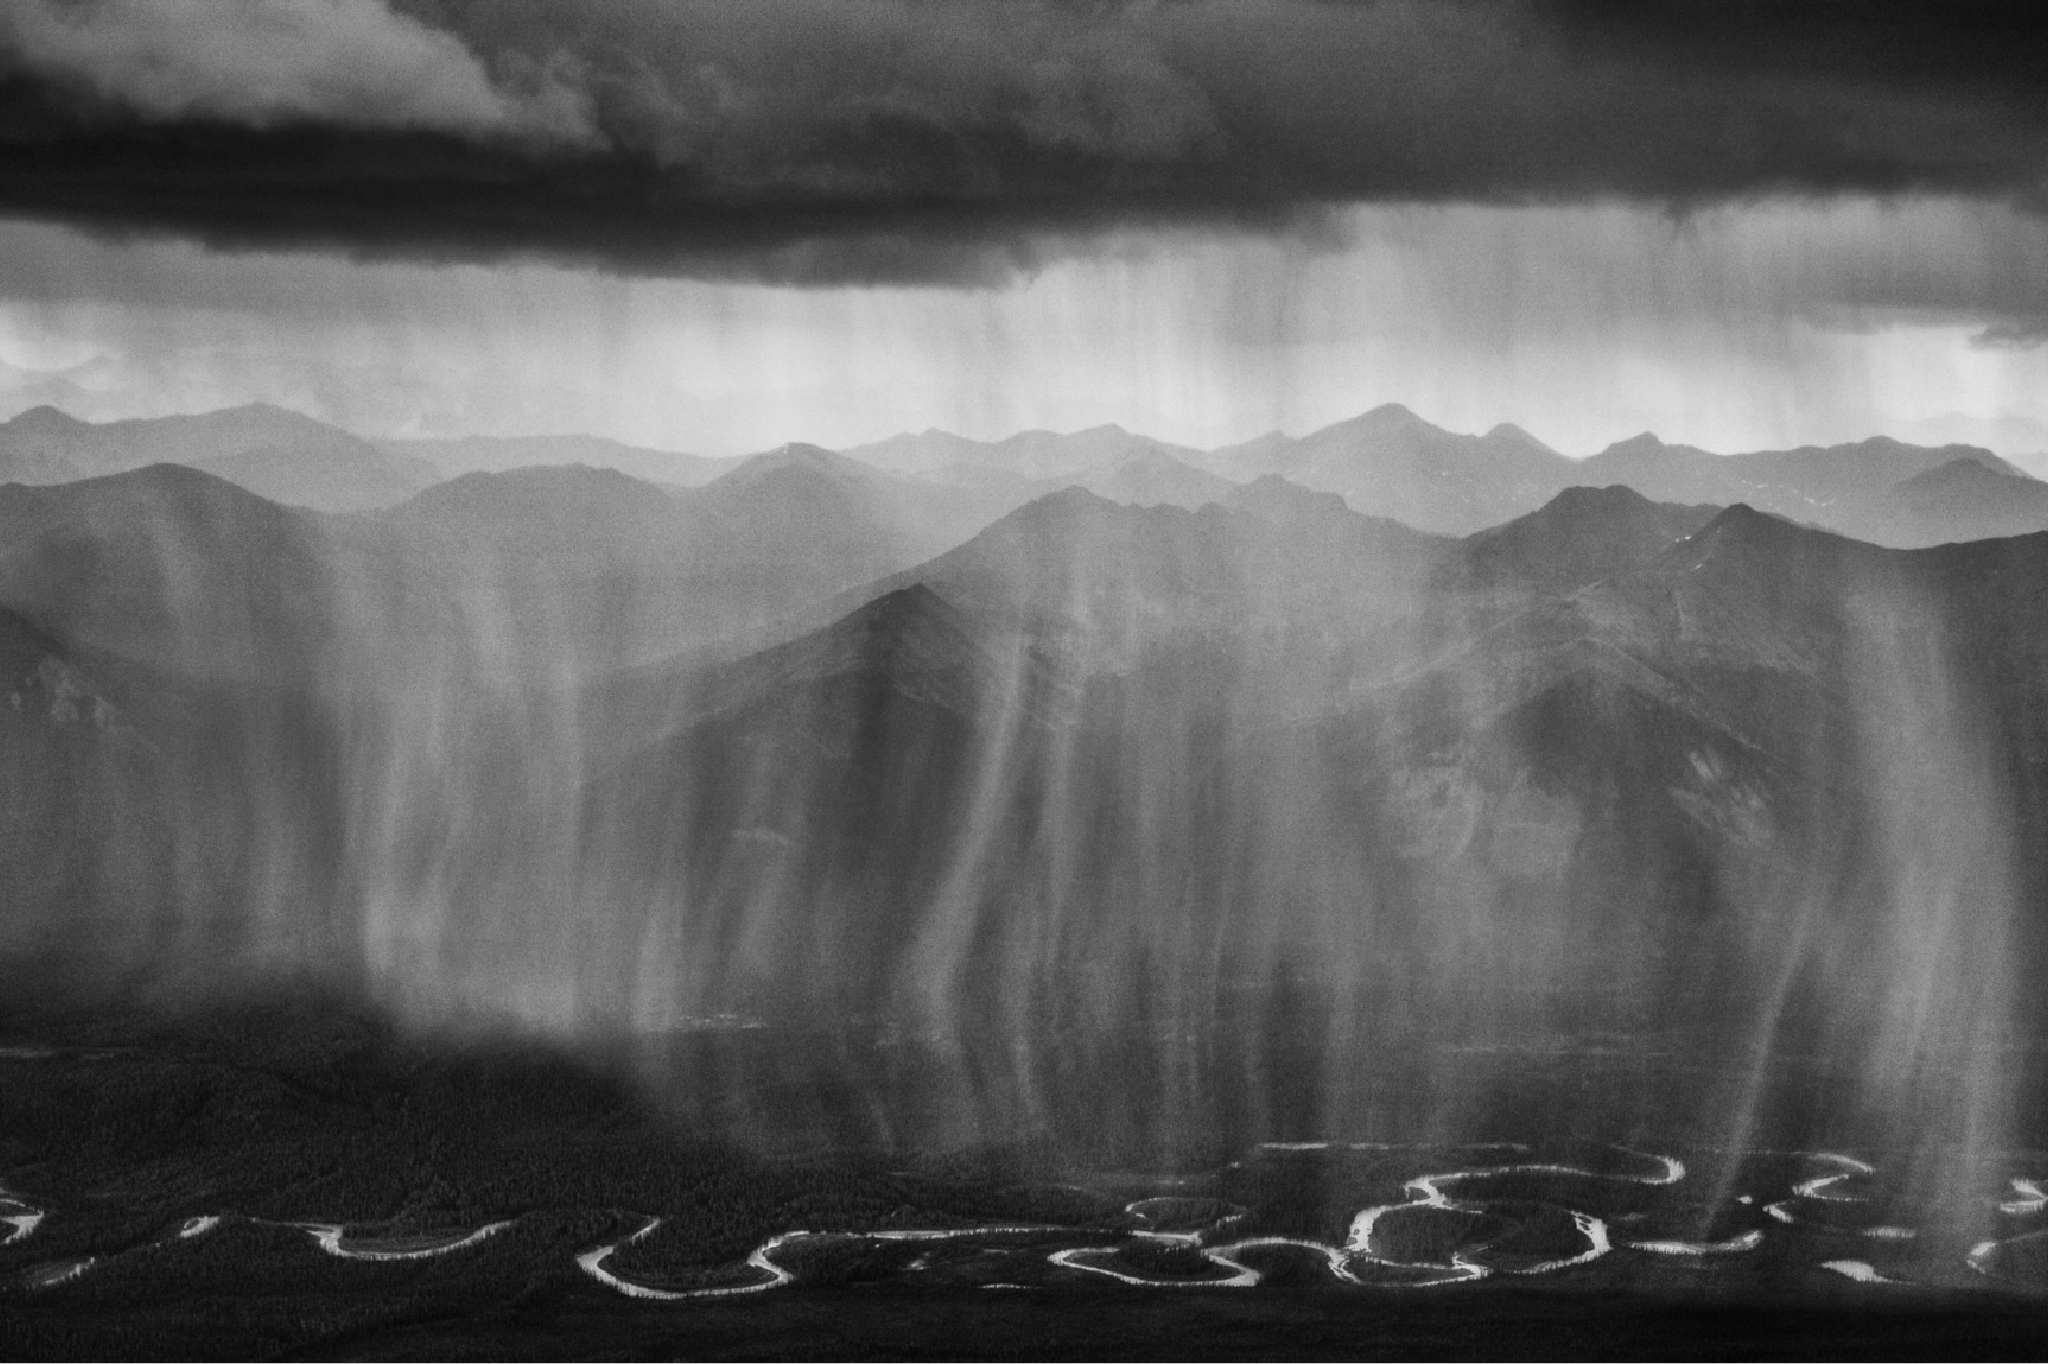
x: 296, y: 1181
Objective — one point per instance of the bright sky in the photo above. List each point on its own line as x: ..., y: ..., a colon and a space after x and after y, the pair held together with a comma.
x: 1740, y: 327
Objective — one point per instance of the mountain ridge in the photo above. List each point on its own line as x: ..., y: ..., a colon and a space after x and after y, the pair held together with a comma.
x: 1387, y: 461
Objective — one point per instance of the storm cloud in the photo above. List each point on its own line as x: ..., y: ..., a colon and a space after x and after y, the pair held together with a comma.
x: 865, y: 141
x: 286, y: 61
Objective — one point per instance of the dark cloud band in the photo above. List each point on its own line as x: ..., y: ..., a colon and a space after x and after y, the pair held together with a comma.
x: 893, y: 141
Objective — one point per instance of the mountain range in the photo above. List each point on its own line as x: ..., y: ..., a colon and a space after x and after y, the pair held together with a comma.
x: 1391, y: 463
x: 280, y: 454
x: 451, y: 456
x: 1387, y: 462
x: 1618, y: 767
x: 1082, y: 810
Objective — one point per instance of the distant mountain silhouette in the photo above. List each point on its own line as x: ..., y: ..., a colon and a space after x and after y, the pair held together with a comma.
x: 1006, y: 474
x: 1390, y: 462
x: 2026, y: 437
x: 552, y: 512
x: 1387, y: 462
x: 1032, y: 455
x: 1275, y: 499
x: 276, y: 453
x: 1841, y: 487
x: 1154, y: 478
x: 342, y: 479
x: 42, y: 445
x: 499, y: 454
x: 594, y: 569
x: 1143, y: 475
x: 1967, y: 499
x: 813, y: 503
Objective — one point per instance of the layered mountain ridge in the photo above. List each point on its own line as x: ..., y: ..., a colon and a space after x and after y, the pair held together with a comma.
x: 278, y: 453
x: 1076, y: 811
x: 1386, y: 462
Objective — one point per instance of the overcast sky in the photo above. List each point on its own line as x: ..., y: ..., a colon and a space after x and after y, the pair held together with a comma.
x: 719, y: 227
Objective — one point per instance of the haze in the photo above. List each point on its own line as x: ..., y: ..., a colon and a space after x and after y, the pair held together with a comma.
x: 1731, y: 328
x: 666, y: 667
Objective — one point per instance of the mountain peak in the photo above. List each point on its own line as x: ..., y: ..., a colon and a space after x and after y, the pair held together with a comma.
x: 1072, y: 510
x: 1768, y: 554
x: 1744, y: 524
x: 1388, y: 421
x: 1070, y: 501
x: 1963, y: 472
x: 46, y: 419
x: 1580, y: 536
x: 266, y: 415
x: 797, y: 457
x: 1642, y: 443
x: 904, y: 608
x: 166, y: 479
x: 1509, y: 433
x: 1582, y: 501
x: 534, y: 485
x: 913, y: 637
x: 1390, y: 416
